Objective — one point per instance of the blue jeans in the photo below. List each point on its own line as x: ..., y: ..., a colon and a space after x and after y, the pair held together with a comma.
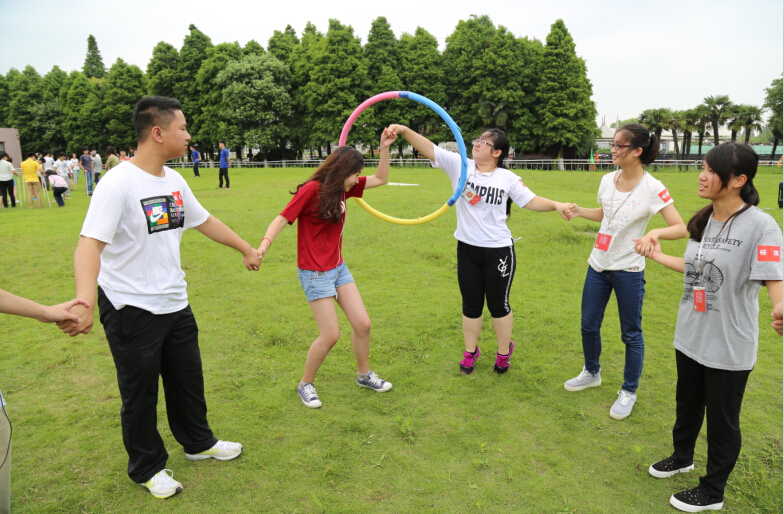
x: 629, y: 289
x: 88, y: 176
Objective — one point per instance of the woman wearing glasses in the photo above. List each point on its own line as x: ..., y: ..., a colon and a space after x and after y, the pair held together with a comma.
x: 486, y: 258
x: 629, y: 198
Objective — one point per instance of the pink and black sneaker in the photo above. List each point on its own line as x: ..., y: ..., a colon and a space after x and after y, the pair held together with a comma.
x: 501, y: 365
x: 469, y: 359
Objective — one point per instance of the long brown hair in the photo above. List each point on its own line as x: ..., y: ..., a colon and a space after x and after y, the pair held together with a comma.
x: 332, y: 174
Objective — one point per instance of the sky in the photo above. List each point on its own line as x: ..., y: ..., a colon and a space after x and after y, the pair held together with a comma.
x: 639, y: 55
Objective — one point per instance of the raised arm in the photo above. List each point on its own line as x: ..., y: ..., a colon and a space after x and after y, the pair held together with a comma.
x: 422, y: 144
x: 382, y: 173
x: 220, y: 233
x: 272, y: 232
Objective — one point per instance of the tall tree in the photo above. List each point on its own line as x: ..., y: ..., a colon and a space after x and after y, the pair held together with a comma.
x: 281, y: 44
x: 93, y: 63
x: 192, y: 55
x: 5, y: 100
x: 381, y: 54
x: 25, y: 90
x: 75, y: 129
x: 703, y: 119
x: 212, y: 128
x: 301, y: 64
x: 773, y: 102
x: 338, y: 83
x: 689, y: 120
x: 252, y: 47
x: 567, y: 113
x: 125, y: 86
x: 255, y: 98
x: 674, y: 123
x: 162, y: 70
x: 719, y: 110
x: 751, y: 120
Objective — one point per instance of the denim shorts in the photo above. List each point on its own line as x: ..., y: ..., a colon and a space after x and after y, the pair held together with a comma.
x: 323, y: 284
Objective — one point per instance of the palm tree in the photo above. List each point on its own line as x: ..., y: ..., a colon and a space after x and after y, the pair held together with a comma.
x: 734, y: 122
x: 718, y: 108
x: 655, y: 120
x: 674, y: 123
x: 690, y: 123
x: 493, y: 114
x: 703, y: 118
x: 752, y: 120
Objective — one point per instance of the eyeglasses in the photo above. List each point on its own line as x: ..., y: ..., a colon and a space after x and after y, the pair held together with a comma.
x: 614, y: 146
x: 476, y: 142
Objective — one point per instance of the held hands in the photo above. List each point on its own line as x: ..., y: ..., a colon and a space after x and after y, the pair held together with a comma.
x: 387, y: 138
x: 396, y: 129
x: 251, y: 258
x: 83, y: 322
x: 60, y: 313
x: 568, y: 211
x: 777, y: 315
x: 645, y: 245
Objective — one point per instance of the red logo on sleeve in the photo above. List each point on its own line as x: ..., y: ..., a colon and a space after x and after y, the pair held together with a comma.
x: 768, y: 253
x: 177, y: 198
x: 665, y: 196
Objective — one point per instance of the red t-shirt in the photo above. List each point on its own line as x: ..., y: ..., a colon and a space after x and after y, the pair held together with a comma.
x: 318, y: 241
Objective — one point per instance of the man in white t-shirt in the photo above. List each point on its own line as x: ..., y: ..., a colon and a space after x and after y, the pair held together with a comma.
x: 130, y: 245
x: 63, y: 168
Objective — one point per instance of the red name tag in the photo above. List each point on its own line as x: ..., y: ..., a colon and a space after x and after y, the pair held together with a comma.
x: 665, y: 196
x: 602, y: 242
x: 472, y: 197
x: 769, y: 253
x: 699, y: 299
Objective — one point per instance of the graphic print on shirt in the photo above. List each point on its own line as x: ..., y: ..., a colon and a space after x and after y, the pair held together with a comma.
x: 712, y: 277
x: 164, y: 212
x: 491, y: 195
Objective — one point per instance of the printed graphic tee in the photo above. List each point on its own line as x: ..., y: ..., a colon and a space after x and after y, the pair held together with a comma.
x: 734, y: 267
x: 319, y: 242
x: 484, y: 222
x: 141, y: 218
x: 632, y: 212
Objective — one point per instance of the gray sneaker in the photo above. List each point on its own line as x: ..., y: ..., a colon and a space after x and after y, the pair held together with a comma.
x: 373, y: 382
x: 584, y: 380
x: 623, y: 405
x: 307, y: 394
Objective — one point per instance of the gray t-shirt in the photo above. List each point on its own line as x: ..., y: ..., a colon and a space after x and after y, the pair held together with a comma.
x: 748, y: 252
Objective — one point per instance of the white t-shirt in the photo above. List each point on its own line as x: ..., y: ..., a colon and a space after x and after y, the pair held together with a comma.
x: 6, y: 170
x: 61, y: 167
x: 141, y: 219
x: 48, y: 163
x: 631, y: 218
x: 484, y: 223
x: 74, y: 164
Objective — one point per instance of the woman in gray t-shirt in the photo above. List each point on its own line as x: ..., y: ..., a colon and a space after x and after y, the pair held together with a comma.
x: 734, y: 248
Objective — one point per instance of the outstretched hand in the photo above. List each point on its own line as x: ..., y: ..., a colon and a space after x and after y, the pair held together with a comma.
x: 572, y: 211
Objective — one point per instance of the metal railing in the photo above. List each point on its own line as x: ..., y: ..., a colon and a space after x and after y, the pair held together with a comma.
x: 513, y: 164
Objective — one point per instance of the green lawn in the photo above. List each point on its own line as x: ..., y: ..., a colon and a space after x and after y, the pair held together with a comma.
x: 439, y: 441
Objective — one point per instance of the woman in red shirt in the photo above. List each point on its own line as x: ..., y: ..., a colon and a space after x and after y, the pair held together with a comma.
x: 320, y: 206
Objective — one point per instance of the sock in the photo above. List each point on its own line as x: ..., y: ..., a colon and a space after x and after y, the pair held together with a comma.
x: 474, y: 352
x: 503, y: 354
x: 301, y: 383
x: 362, y: 375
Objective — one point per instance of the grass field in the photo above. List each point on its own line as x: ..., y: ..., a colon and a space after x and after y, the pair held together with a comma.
x: 439, y: 441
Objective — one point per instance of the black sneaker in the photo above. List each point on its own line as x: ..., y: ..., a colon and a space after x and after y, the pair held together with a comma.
x: 694, y: 500
x: 669, y: 467
x: 469, y: 359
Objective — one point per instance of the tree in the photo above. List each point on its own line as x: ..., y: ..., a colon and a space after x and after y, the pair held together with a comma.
x: 162, y: 70
x: 655, y: 120
x: 211, y: 127
x: 301, y: 66
x: 252, y: 47
x: 192, y: 55
x: 381, y: 54
x: 422, y: 72
x: 689, y: 120
x: 338, y: 83
x: 25, y: 90
x: 125, y: 86
x: 255, y: 97
x: 567, y: 113
x: 281, y: 44
x: 703, y: 118
x: 93, y: 63
x: 674, y: 122
x: 751, y: 118
x: 719, y: 110
x: 5, y: 100
x: 74, y: 128
x: 773, y: 102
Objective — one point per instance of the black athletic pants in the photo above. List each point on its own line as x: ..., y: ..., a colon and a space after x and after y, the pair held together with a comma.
x: 719, y: 393
x: 485, y: 273
x: 196, y: 169
x: 146, y: 346
x: 223, y: 172
x: 58, y: 195
x: 6, y: 190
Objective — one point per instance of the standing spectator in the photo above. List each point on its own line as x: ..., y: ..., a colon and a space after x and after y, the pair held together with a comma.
x: 7, y: 179
x: 86, y: 162
x: 196, y: 160
x: 97, y: 165
x: 111, y: 158
x: 75, y: 168
x: 59, y: 186
x: 225, y: 162
x: 48, y: 162
x: 30, y: 170
x: 123, y: 156
x: 43, y: 172
x: 62, y: 167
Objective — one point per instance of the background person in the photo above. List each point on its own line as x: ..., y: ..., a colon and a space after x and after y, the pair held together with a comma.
x: 123, y: 157
x: 63, y: 170
x: 196, y: 156
x: 59, y: 187
x: 136, y: 218
x: 734, y: 248
x: 629, y: 198
x: 486, y: 259
x: 75, y: 168
x: 97, y: 165
x: 225, y: 162
x: 319, y: 205
x: 7, y: 180
x: 18, y: 306
x: 86, y: 162
x: 30, y: 168
x: 111, y: 158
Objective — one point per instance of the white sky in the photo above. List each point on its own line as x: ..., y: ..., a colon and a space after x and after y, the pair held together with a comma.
x: 639, y: 55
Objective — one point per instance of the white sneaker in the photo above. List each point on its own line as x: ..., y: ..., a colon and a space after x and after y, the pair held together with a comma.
x: 584, y: 380
x: 162, y: 485
x: 223, y: 450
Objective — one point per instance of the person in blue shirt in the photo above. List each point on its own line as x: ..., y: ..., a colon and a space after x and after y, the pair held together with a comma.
x: 225, y: 162
x: 196, y: 159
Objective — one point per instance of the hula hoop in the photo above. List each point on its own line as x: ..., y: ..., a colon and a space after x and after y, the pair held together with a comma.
x: 455, y: 131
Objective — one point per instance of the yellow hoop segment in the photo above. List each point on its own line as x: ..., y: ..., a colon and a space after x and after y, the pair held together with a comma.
x: 399, y: 221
